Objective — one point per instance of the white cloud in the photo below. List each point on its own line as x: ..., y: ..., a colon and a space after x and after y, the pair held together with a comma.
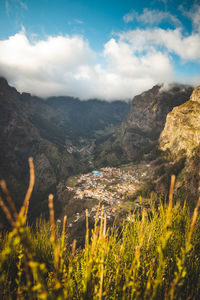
x: 173, y: 41
x: 66, y: 65
x: 129, y: 17
x: 193, y: 14
x: 151, y: 17
x: 122, y: 59
x: 47, y: 66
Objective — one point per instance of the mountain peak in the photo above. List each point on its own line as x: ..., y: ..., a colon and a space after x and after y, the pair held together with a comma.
x: 196, y: 94
x: 3, y: 83
x: 6, y: 88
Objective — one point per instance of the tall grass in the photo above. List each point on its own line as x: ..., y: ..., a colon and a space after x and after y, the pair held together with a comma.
x: 154, y: 255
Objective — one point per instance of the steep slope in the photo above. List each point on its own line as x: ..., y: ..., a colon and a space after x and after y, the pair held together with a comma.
x: 147, y: 117
x: 140, y: 131
x: 21, y: 139
x: 180, y: 139
x: 182, y: 129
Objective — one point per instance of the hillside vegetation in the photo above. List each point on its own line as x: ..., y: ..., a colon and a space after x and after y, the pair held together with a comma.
x: 152, y: 255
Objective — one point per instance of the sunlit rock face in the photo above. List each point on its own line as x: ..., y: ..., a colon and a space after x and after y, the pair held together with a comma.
x: 196, y: 94
x: 181, y: 139
x: 181, y: 134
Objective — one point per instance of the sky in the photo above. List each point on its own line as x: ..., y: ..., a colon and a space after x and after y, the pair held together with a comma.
x: 106, y: 49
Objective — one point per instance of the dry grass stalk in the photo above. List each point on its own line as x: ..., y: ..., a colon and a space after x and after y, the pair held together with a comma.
x: 94, y: 241
x: 195, y: 214
x: 102, y: 258
x: 171, y: 190
x: 9, y: 198
x: 73, y: 247
x: 52, y: 220
x: 7, y: 212
x: 101, y: 277
x: 169, y: 211
x: 31, y: 185
x: 104, y: 226
x: 87, y: 229
x: 63, y: 232
x: 102, y: 220
x: 24, y: 209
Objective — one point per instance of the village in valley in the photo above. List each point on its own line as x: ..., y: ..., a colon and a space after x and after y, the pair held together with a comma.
x: 107, y: 188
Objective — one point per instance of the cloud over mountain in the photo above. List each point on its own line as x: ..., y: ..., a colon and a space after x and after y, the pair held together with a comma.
x: 130, y: 63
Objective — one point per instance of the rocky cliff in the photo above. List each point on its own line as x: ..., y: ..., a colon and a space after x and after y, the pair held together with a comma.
x: 139, y: 132
x: 147, y: 117
x: 180, y: 139
x: 181, y: 133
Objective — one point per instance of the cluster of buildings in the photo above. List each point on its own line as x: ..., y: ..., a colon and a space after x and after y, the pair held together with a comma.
x: 110, y: 186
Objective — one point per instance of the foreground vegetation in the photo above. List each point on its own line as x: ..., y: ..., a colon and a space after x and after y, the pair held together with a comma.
x: 153, y: 255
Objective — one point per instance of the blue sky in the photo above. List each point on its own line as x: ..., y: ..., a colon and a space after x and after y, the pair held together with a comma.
x: 110, y: 49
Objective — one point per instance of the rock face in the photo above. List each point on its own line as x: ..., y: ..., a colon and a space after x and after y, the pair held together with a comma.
x: 140, y: 131
x: 182, y: 129
x: 181, y: 140
x: 147, y: 117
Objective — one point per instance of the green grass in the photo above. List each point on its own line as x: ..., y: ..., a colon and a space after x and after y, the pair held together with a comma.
x: 154, y: 255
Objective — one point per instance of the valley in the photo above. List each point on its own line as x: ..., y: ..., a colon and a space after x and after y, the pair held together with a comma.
x: 58, y: 132
x: 93, y: 154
